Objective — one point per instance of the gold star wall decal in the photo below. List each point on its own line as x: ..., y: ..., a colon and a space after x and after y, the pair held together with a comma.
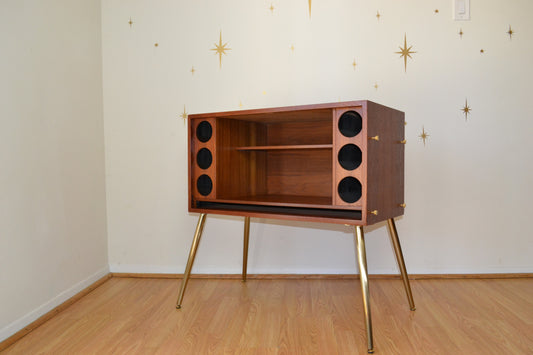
x: 466, y: 109
x: 378, y: 15
x: 405, y: 51
x: 130, y: 22
x: 240, y: 104
x: 481, y: 51
x: 271, y: 8
x: 423, y: 136
x: 510, y: 32
x: 292, y: 47
x: 184, y: 114
x: 376, y: 85
x: 309, y: 8
x: 354, y: 64
x: 436, y: 11
x: 220, y: 49
x: 156, y: 44
x: 461, y: 33
x: 193, y: 70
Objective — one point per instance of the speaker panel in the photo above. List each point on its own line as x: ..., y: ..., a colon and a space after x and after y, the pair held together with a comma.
x: 349, y: 154
x: 203, y: 155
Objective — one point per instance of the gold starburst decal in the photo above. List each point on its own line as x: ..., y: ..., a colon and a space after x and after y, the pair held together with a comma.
x: 354, y: 64
x: 461, y: 33
x: 220, y: 49
x: 193, y: 70
x: 405, y: 52
x: 292, y: 47
x: 184, y: 114
x: 130, y: 22
x: 378, y: 15
x: 376, y: 86
x: 309, y: 8
x: 510, y: 32
x: 423, y: 136
x: 271, y: 8
x: 466, y: 109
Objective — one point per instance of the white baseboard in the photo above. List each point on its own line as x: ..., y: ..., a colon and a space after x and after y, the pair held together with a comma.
x: 30, y: 317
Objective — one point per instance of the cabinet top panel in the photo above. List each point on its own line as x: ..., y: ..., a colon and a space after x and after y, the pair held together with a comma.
x: 301, y: 112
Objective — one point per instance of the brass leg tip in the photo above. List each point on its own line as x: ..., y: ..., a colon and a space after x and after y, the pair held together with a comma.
x: 370, y: 351
x: 413, y: 309
x: 243, y: 280
x: 178, y: 306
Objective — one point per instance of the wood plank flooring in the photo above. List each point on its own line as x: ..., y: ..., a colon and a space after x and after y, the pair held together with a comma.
x: 322, y: 316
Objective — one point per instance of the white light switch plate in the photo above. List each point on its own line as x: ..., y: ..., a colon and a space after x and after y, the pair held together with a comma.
x: 461, y: 10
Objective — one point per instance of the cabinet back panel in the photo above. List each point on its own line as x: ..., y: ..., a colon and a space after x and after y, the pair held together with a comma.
x: 299, y: 172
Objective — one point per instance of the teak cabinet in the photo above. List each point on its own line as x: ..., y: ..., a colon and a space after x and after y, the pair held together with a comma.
x: 339, y: 162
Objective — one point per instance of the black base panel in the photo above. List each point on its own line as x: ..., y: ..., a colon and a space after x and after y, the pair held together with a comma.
x: 295, y: 211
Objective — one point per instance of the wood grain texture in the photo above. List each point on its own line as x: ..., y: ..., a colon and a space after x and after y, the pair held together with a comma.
x: 137, y: 316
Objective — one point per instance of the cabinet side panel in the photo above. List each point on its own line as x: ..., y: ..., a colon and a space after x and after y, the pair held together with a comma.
x: 385, y: 169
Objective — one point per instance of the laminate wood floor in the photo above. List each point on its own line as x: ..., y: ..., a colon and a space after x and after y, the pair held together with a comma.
x: 325, y: 316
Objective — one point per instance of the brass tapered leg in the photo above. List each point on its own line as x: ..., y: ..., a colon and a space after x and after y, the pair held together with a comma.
x: 192, y: 255
x: 363, y: 275
x: 401, y: 262
x: 245, y: 247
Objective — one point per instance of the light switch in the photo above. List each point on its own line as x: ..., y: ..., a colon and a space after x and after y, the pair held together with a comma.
x: 461, y: 10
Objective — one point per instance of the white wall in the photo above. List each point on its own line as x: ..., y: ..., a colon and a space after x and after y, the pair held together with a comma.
x: 53, y: 240
x: 468, y: 189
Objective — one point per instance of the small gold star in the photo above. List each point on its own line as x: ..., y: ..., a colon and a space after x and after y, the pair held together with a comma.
x: 405, y: 51
x: 376, y: 86
x: 309, y: 8
x: 481, y: 50
x: 156, y: 44
x: 510, y: 32
x: 264, y: 92
x: 184, y: 115
x: 193, y: 70
x: 292, y: 48
x: 354, y: 64
x: 240, y: 104
x: 130, y: 22
x: 461, y: 33
x: 423, y: 136
x: 466, y: 109
x: 378, y: 15
x: 220, y: 49
x: 436, y: 11
x: 271, y: 8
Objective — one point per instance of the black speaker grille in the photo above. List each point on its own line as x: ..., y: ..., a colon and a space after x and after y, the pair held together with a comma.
x: 204, y: 158
x: 350, y: 156
x: 350, y: 189
x: 350, y: 124
x: 204, y: 131
x: 204, y: 184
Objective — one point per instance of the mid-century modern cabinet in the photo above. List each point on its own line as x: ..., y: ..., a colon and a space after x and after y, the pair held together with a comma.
x: 335, y: 163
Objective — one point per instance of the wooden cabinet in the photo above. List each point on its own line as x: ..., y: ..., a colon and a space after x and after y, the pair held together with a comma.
x: 339, y: 162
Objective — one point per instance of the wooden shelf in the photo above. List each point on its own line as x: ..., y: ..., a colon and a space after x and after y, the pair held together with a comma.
x: 286, y: 147
x: 279, y: 200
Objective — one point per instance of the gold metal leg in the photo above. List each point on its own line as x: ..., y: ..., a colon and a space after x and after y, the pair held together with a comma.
x: 401, y: 262
x: 245, y: 247
x: 363, y: 275
x: 192, y: 255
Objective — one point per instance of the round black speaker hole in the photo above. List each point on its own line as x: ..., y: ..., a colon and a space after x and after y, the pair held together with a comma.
x: 350, y: 124
x: 350, y: 156
x: 350, y: 189
x: 204, y: 158
x: 204, y: 184
x: 204, y: 131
